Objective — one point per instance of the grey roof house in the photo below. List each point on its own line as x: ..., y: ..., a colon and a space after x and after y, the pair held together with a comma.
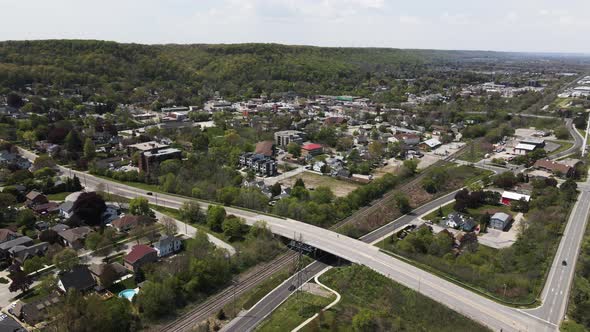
x: 500, y: 220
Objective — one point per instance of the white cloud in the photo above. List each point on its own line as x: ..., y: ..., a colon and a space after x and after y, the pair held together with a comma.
x: 455, y: 19
x: 411, y: 20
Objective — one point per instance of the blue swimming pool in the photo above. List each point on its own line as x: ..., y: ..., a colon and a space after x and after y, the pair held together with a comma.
x: 128, y: 293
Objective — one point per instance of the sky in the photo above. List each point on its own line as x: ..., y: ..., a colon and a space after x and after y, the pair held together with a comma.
x: 499, y: 25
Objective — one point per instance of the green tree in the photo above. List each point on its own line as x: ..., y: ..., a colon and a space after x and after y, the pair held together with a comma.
x: 140, y: 206
x: 234, y: 228
x: 155, y: 300
x: 89, y: 149
x: 66, y: 259
x: 191, y: 212
x: 402, y: 203
x: 215, y: 217
x: 294, y: 149
x: 364, y: 321
x: 73, y: 142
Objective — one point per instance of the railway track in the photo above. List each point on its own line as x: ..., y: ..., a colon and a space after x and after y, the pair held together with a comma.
x: 218, y: 301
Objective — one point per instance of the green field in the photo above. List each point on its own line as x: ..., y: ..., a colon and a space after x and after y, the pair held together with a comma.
x: 294, y: 311
x: 372, y: 302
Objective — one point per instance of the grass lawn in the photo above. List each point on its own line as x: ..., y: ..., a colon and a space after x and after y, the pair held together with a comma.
x: 58, y: 196
x: 473, y: 153
x: 384, y: 305
x: 340, y: 188
x: 294, y: 311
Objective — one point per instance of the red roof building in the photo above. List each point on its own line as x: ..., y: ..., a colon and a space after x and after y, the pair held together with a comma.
x: 140, y: 255
x: 311, y: 149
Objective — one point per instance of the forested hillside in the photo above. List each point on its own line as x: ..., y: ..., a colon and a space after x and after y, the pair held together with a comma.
x: 188, y: 74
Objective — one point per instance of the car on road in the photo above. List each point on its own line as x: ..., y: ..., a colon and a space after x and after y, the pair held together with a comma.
x: 291, y: 288
x: 149, y: 193
x: 564, y: 263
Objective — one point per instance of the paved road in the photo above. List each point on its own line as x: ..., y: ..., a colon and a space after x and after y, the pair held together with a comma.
x: 578, y: 141
x: 555, y: 294
x: 257, y: 313
x: 487, y: 312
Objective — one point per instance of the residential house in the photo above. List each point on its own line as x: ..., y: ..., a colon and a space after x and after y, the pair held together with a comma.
x: 21, y: 253
x: 74, y: 237
x: 9, y: 160
x: 6, y: 246
x: 111, y: 213
x: 7, y: 235
x: 98, y: 271
x: 36, y: 311
x: 430, y: 144
x: 168, y: 244
x: 128, y: 222
x: 311, y: 149
x: 556, y: 167
x: 60, y: 227
x: 66, y: 209
x: 460, y: 221
x: 509, y: 196
x: 140, y: 255
x: 259, y: 163
x: 79, y: 279
x: 45, y: 208
x: 152, y: 153
x: 408, y: 139
x: 500, y: 220
x: 35, y: 198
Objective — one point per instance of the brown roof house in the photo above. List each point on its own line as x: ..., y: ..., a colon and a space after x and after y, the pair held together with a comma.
x: 74, y: 237
x: 98, y: 271
x: 555, y: 167
x: 7, y: 235
x: 140, y: 255
x: 128, y: 222
x: 35, y: 198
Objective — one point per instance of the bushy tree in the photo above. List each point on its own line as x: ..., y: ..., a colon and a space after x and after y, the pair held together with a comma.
x: 89, y: 207
x: 215, y: 217
x: 66, y: 259
x: 140, y: 206
x: 191, y: 212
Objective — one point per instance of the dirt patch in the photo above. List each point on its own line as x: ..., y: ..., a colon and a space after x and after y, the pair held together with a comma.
x: 340, y: 188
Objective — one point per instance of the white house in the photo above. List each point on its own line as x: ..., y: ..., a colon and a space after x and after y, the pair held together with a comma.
x: 522, y: 149
x: 167, y: 245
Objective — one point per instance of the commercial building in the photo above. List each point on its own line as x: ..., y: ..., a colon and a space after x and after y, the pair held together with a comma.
x: 283, y: 138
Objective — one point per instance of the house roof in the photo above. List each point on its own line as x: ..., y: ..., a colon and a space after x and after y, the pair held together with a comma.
x: 78, y: 278
x: 33, y: 194
x: 130, y: 220
x: 67, y: 206
x: 98, y: 269
x: 502, y: 216
x: 553, y: 166
x: 311, y: 146
x: 138, y: 252
x: 264, y: 148
x: 433, y: 142
x: 165, y: 240
x: 7, y: 234
x: 19, y: 241
x: 515, y: 196
x: 60, y: 227
x: 75, y: 234
x: 523, y: 146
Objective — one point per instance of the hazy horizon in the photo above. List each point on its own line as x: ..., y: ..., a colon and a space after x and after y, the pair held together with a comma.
x: 524, y: 26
